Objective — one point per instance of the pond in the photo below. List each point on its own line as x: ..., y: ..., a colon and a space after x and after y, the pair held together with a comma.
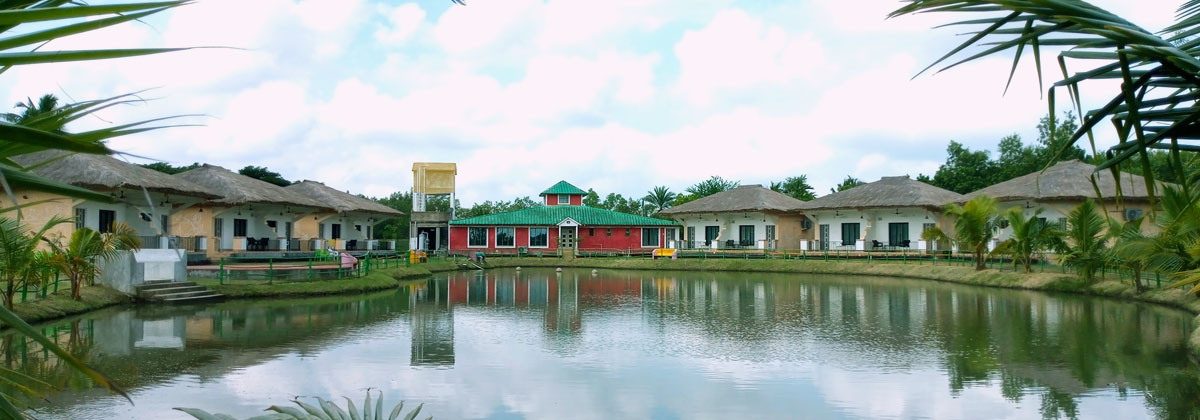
x: 537, y: 344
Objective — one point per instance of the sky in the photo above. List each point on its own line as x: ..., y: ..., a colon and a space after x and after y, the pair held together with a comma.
x: 617, y: 95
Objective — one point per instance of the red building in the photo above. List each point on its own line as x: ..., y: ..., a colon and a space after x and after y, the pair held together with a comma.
x: 562, y: 221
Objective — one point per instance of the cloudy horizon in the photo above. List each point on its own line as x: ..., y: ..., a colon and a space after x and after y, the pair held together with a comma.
x: 618, y: 96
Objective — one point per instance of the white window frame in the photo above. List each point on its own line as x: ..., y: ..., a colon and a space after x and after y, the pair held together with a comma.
x: 564, y: 203
x: 657, y: 238
x: 529, y: 237
x: 486, y: 237
x: 496, y: 234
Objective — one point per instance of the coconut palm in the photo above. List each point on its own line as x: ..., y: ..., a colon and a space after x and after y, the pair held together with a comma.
x: 1155, y: 106
x: 21, y: 264
x: 660, y: 197
x: 974, y: 226
x: 1085, y: 231
x: 1029, y: 235
x: 78, y: 258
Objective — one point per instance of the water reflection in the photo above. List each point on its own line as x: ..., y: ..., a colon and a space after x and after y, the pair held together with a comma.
x: 844, y: 347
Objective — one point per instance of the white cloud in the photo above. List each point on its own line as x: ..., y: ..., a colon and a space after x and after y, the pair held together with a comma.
x: 402, y: 22
x: 737, y: 51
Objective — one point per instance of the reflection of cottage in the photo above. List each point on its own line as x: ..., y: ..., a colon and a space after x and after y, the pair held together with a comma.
x: 887, y: 214
x: 1065, y: 185
x: 563, y: 222
x: 351, y: 223
x: 748, y: 216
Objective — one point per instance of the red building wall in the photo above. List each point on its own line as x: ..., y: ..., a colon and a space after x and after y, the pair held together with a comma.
x: 576, y: 200
x: 589, y: 239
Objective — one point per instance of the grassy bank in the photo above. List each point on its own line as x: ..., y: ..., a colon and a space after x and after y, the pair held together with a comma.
x: 1051, y: 282
x: 60, y: 305
x: 379, y: 279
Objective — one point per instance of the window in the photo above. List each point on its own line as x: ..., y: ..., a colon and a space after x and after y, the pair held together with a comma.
x: 287, y: 230
x: 80, y: 218
x: 539, y: 237
x: 272, y: 224
x: 746, y: 235
x: 927, y: 227
x: 649, y: 237
x: 217, y: 225
x: 849, y: 233
x: 239, y: 228
x: 897, y: 234
x: 770, y: 232
x: 506, y: 237
x: 609, y: 232
x: 477, y: 237
x: 321, y: 230
x: 1062, y: 223
x: 335, y: 231
x: 107, y: 219
x: 358, y: 228
x: 564, y: 199
x: 591, y: 231
x: 626, y: 231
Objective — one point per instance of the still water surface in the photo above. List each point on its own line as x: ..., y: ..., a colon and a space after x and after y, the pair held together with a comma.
x: 644, y: 345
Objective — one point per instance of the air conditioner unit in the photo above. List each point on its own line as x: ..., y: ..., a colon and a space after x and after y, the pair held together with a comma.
x: 1133, y: 214
x: 806, y: 224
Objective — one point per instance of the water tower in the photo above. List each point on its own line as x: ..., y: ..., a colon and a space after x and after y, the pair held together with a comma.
x: 433, y: 205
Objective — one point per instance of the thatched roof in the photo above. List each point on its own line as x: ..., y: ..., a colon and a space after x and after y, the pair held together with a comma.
x: 106, y: 173
x: 237, y: 189
x: 890, y: 191
x: 339, y: 200
x: 740, y: 199
x: 1067, y: 180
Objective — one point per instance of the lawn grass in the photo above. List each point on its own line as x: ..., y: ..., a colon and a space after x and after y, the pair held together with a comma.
x: 59, y: 304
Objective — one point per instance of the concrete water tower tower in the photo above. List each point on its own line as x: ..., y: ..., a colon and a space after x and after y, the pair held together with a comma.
x: 433, y: 205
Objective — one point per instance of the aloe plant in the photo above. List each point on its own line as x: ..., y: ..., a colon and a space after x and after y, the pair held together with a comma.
x: 322, y: 410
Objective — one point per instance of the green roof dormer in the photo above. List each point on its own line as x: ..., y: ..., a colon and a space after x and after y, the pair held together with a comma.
x: 563, y: 187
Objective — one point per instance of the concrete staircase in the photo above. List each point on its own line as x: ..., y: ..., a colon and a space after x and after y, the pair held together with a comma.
x: 176, y: 292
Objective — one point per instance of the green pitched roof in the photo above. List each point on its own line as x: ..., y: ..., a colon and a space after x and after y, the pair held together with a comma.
x: 553, y: 215
x: 563, y: 187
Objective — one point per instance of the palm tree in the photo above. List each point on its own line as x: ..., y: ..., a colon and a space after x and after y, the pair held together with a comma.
x: 974, y: 226
x: 77, y: 258
x: 1124, y: 252
x: 1029, y: 235
x: 45, y: 106
x: 796, y: 187
x: 21, y: 264
x: 1085, y: 231
x: 1156, y: 105
x: 660, y: 197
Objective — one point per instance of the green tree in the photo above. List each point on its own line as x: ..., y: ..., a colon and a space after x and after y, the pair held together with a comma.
x: 77, y: 259
x: 1015, y: 159
x: 682, y: 199
x: 1085, y: 231
x: 395, y: 228
x: 796, y: 187
x: 848, y: 183
x: 21, y: 264
x: 1056, y: 143
x: 591, y: 199
x: 660, y: 197
x: 261, y: 173
x: 974, y: 226
x: 712, y: 186
x: 1122, y: 254
x: 965, y: 170
x: 169, y: 169
x: 1029, y: 235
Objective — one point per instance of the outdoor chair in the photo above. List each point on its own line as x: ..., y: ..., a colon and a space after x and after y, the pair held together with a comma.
x: 905, y: 243
x: 876, y: 244
x: 263, y: 243
x: 352, y: 244
x: 730, y: 244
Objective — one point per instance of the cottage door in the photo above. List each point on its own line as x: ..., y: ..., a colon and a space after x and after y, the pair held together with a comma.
x: 566, y: 235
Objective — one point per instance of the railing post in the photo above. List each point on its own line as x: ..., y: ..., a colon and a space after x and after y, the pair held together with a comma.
x: 270, y: 271
x: 310, y: 273
x: 221, y: 272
